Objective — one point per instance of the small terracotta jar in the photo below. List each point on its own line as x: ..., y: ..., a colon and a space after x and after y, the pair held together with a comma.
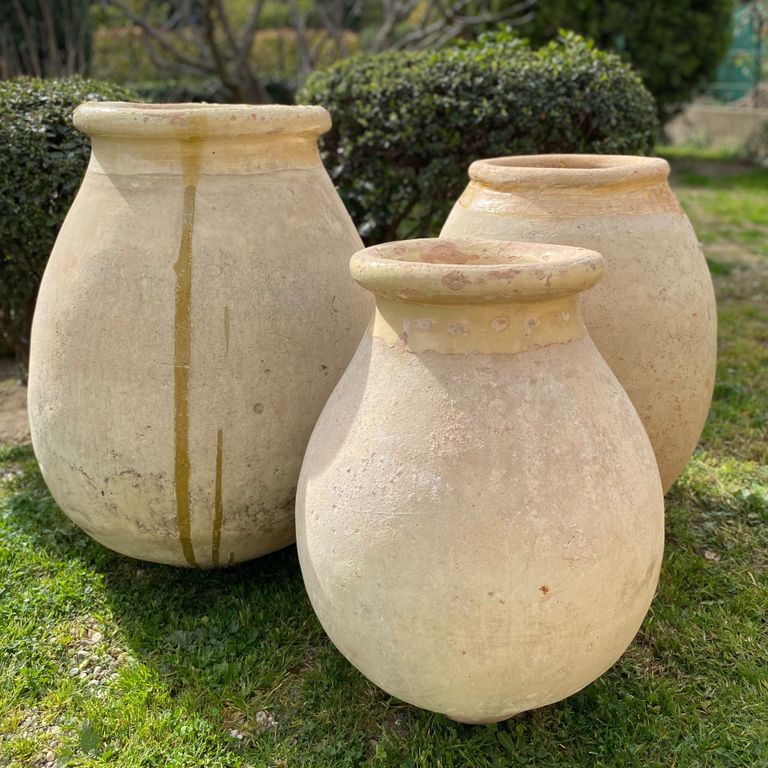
x: 653, y: 317
x: 479, y: 512
x: 194, y: 316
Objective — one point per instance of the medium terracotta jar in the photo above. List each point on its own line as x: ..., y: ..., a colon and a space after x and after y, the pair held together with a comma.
x: 653, y: 317
x: 479, y: 512
x: 194, y: 316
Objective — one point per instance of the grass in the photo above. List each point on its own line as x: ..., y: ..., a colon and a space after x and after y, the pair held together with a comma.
x: 692, y: 149
x: 728, y: 205
x: 108, y: 661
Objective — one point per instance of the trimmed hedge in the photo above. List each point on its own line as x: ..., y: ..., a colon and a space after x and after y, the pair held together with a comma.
x: 407, y: 125
x: 44, y: 158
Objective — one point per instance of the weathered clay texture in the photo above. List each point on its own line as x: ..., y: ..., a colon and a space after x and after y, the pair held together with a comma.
x: 653, y: 317
x: 479, y: 512
x: 195, y: 315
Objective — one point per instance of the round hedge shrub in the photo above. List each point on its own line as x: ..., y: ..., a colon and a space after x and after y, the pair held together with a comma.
x: 407, y: 125
x: 44, y: 158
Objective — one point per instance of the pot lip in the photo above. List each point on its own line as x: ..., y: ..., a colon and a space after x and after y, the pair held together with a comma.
x: 471, y: 270
x: 572, y: 170
x: 192, y: 120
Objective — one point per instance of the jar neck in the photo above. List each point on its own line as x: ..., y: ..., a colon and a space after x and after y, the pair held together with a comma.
x: 492, y: 328
x: 534, y: 201
x: 207, y: 155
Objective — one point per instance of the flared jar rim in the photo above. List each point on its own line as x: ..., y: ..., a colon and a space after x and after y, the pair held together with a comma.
x: 472, y: 270
x: 193, y: 120
x: 554, y: 171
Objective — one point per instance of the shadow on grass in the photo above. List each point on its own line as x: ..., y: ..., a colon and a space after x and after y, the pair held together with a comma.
x: 240, y: 648
x: 160, y: 608
x: 229, y: 644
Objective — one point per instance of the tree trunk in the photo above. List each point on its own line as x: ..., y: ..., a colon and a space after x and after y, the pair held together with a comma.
x: 251, y: 88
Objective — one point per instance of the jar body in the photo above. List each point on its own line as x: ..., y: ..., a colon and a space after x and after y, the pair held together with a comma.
x: 653, y: 317
x: 193, y: 318
x: 480, y: 534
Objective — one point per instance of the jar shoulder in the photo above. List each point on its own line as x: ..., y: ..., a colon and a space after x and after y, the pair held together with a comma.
x: 554, y: 412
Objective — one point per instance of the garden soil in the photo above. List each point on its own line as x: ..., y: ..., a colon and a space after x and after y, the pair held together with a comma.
x: 14, y: 424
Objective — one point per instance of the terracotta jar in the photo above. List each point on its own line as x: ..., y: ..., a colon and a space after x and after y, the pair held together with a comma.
x: 479, y: 513
x: 653, y: 317
x: 194, y: 316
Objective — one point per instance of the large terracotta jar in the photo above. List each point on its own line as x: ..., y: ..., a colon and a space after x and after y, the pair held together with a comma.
x: 653, y: 317
x: 479, y: 512
x: 194, y: 316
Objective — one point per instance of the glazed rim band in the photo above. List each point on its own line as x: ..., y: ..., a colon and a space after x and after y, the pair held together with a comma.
x: 568, y: 171
x: 474, y: 270
x: 190, y: 121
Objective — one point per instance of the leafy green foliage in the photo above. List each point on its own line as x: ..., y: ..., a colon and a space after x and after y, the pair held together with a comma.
x: 407, y: 125
x: 675, y: 46
x: 44, y: 159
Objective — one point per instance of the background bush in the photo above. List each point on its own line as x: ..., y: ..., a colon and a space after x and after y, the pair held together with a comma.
x: 406, y: 126
x: 674, y: 45
x: 44, y: 158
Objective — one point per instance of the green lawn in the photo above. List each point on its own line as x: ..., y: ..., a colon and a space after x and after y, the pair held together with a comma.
x: 109, y: 661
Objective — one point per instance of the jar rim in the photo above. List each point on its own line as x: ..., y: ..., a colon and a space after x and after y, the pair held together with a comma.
x: 568, y: 170
x: 192, y: 120
x: 475, y: 270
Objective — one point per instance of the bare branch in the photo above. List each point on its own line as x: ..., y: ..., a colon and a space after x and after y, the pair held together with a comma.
x: 160, y: 38
x: 395, y: 12
x: 225, y: 51
x: 30, y: 39
x: 298, y: 20
x: 225, y: 25
x: 452, y: 22
x: 523, y: 13
x: 53, y: 63
x: 333, y: 23
x: 252, y: 25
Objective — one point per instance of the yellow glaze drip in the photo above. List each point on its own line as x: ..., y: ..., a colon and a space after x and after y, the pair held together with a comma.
x: 182, y: 351
x: 218, y: 509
